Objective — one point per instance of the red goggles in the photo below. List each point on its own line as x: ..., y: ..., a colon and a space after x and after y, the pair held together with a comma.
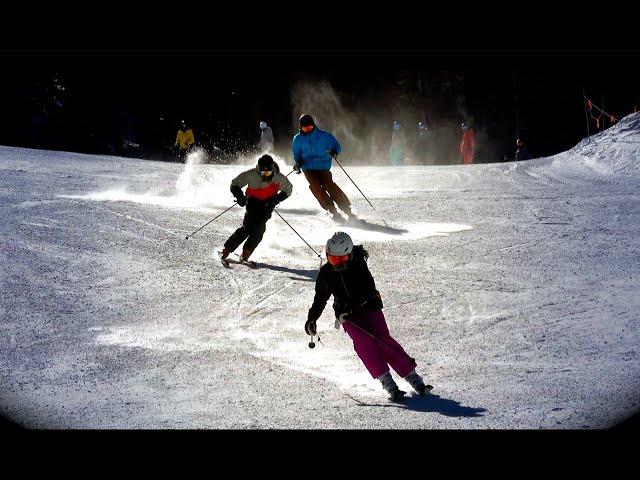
x: 307, y: 129
x: 337, y: 259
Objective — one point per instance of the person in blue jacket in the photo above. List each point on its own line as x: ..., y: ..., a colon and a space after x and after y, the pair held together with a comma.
x: 313, y: 150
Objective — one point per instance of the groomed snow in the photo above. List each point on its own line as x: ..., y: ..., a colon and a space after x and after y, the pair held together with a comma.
x: 514, y: 285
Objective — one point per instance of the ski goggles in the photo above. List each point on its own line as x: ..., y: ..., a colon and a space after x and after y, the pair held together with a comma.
x: 266, y: 173
x: 337, y: 259
x: 307, y: 129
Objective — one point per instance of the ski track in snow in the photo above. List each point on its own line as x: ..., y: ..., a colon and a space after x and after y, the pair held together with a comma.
x: 515, y: 286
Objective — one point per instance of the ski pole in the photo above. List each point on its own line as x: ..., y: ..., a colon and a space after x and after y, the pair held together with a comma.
x: 373, y: 336
x: 345, y: 172
x: 335, y: 157
x: 298, y: 235
x: 193, y: 233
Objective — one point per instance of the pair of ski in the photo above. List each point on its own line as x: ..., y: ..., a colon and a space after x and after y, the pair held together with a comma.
x: 226, y: 262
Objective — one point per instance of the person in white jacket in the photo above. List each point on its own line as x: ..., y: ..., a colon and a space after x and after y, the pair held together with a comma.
x: 266, y: 138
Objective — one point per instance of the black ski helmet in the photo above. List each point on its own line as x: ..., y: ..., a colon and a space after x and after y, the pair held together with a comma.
x: 266, y: 164
x: 306, y: 120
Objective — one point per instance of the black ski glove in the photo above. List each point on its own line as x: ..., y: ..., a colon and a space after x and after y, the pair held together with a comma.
x: 310, y: 327
x: 240, y: 196
x: 274, y: 201
x: 296, y: 167
x: 332, y: 153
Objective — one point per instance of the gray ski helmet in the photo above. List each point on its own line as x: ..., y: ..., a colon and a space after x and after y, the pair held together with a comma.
x: 306, y: 120
x: 339, y: 244
x: 263, y: 125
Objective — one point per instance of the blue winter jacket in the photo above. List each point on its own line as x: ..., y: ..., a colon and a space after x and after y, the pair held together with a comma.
x: 310, y: 150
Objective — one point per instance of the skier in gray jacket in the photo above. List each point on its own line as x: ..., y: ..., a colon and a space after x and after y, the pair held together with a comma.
x: 266, y: 188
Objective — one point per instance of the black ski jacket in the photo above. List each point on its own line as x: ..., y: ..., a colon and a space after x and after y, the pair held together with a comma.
x: 353, y: 289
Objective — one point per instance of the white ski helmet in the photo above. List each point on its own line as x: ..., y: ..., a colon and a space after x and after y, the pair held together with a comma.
x: 263, y: 125
x: 339, y: 244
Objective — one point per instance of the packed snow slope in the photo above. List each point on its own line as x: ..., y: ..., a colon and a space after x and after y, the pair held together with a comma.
x: 516, y: 286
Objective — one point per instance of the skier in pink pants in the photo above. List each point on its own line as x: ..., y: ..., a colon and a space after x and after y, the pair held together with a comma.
x: 358, y: 307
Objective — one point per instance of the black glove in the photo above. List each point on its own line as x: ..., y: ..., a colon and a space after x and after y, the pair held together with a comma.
x: 332, y: 152
x: 310, y: 327
x: 271, y: 203
x: 240, y: 197
x: 296, y: 167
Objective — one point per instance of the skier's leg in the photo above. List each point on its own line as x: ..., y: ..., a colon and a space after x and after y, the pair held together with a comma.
x: 335, y: 192
x: 256, y: 226
x: 368, y: 350
x: 315, y: 185
x: 393, y: 353
x: 235, y: 240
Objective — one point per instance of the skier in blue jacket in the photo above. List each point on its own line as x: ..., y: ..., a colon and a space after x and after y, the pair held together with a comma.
x: 313, y: 150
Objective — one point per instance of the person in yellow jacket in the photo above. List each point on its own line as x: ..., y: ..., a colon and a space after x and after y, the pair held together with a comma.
x: 184, y: 141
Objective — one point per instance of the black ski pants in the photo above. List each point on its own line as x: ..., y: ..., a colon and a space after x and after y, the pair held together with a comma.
x: 253, y: 227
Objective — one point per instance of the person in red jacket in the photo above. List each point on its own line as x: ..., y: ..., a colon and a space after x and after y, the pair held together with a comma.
x: 466, y: 145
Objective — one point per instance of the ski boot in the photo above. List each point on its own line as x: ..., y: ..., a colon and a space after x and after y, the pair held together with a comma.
x: 389, y: 384
x: 223, y: 257
x: 337, y: 218
x: 244, y: 258
x: 417, y: 384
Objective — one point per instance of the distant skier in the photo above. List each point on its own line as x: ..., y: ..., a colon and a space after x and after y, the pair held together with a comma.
x: 358, y: 307
x: 466, y: 145
x: 398, y: 145
x: 424, y: 145
x: 522, y: 153
x: 266, y: 138
x: 266, y: 188
x: 184, y: 141
x: 313, y: 150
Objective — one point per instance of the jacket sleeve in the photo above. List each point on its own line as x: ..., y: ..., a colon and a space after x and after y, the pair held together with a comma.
x: 241, y: 180
x: 334, y: 144
x: 285, y: 185
x: 373, y: 297
x: 322, y: 296
x: 295, y: 146
x: 370, y: 282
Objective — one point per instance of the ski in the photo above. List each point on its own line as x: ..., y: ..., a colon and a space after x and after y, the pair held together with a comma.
x: 241, y: 261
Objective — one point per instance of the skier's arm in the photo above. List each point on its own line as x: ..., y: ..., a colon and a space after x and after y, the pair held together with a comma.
x: 334, y: 146
x: 238, y: 183
x: 285, y: 186
x: 297, y: 154
x: 369, y: 282
x: 320, y: 299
